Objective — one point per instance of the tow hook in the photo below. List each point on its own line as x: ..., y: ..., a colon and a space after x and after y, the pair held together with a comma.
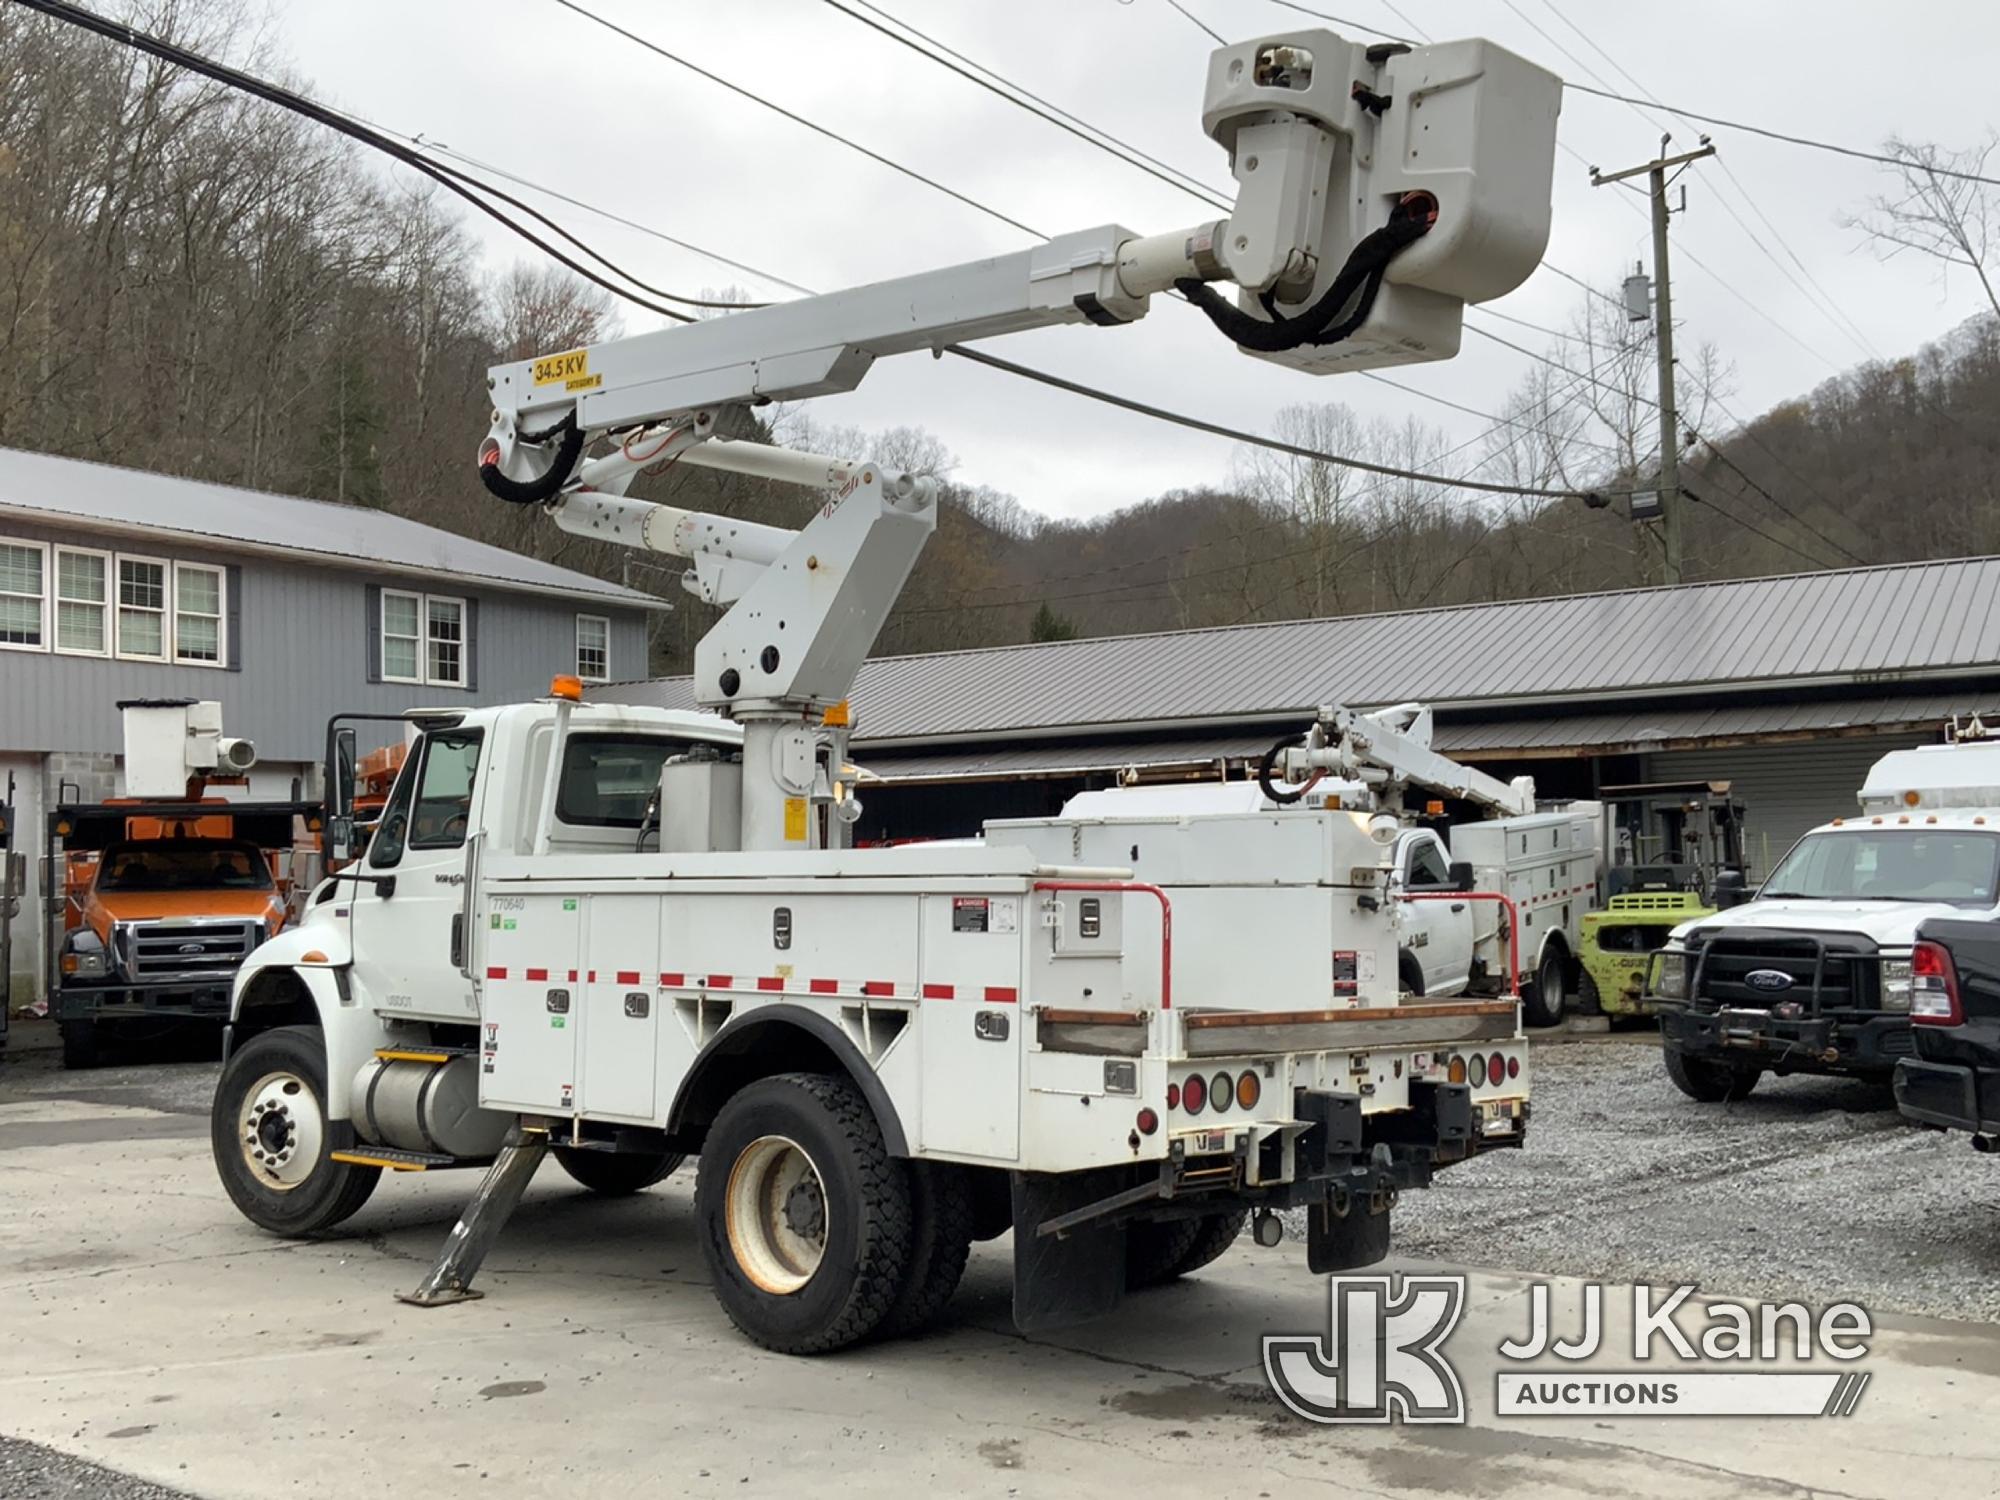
x: 1266, y: 1229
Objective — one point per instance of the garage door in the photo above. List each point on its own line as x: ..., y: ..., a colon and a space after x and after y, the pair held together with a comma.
x: 1785, y: 789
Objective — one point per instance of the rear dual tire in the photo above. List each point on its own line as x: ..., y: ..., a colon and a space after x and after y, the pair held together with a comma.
x: 1160, y: 1251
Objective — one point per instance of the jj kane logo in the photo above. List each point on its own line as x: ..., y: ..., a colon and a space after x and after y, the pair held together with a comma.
x: 1381, y: 1357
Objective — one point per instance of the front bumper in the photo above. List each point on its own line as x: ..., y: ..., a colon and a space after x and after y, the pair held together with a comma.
x: 1840, y: 1043
x: 88, y: 1000
x: 1952, y: 1095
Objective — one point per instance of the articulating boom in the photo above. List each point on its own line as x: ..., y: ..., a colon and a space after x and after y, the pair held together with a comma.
x: 1388, y: 751
x: 1379, y: 189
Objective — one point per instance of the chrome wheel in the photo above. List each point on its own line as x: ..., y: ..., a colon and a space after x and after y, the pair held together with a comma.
x: 775, y: 1214
x: 281, y: 1128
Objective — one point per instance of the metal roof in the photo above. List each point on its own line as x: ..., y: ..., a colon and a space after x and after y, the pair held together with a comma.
x: 41, y: 487
x: 1527, y: 738
x: 1864, y: 626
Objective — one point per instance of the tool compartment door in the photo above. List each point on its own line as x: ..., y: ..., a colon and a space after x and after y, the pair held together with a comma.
x: 529, y: 993
x: 621, y: 1007
x: 971, y: 1024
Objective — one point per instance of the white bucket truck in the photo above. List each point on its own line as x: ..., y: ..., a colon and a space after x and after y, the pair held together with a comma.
x: 626, y: 936
x: 1813, y: 975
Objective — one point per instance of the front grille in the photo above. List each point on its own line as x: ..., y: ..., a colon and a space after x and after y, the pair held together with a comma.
x: 1825, y: 976
x: 162, y: 952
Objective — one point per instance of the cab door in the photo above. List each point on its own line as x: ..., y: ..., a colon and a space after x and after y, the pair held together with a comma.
x: 1438, y: 933
x: 408, y: 933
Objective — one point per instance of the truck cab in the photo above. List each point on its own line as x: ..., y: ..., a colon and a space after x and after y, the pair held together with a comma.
x: 1814, y: 974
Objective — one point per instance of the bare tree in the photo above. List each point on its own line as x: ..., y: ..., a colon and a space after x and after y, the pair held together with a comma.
x: 1937, y: 211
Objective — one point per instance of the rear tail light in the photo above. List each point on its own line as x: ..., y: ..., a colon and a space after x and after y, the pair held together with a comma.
x: 1513, y: 1067
x: 1173, y: 1096
x: 1455, y: 1069
x: 1221, y: 1089
x: 1475, y: 1072
x: 1148, y: 1122
x: 1194, y: 1094
x: 1496, y: 1068
x: 1934, y: 987
x: 1249, y: 1089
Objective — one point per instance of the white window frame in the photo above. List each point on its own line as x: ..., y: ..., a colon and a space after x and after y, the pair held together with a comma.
x: 47, y: 587
x: 605, y: 621
x: 382, y: 634
x: 166, y: 611
x: 108, y: 604
x: 464, y: 616
x: 221, y: 657
x: 424, y: 676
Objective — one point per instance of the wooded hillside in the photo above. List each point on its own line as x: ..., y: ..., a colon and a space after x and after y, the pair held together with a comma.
x: 194, y: 282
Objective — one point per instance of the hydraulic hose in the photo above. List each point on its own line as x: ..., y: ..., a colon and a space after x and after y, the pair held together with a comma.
x: 534, y: 491
x: 1338, y: 311
x: 1284, y: 797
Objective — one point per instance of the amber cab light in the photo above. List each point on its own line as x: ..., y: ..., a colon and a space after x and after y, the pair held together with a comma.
x: 1934, y: 987
x: 1194, y: 1094
x: 562, y: 685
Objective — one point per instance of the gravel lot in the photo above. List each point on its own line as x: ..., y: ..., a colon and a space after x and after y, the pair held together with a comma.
x: 1810, y: 1188
x: 28, y: 1471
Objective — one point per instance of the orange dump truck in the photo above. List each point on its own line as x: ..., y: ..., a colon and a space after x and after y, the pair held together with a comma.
x: 162, y: 903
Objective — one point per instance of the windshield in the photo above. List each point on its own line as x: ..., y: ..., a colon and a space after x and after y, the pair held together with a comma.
x: 184, y: 866
x: 1891, y: 865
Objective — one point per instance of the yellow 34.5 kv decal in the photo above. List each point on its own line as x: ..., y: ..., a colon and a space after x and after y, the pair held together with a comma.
x: 571, y: 371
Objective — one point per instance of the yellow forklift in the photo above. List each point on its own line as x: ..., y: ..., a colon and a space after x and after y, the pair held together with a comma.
x: 1675, y: 853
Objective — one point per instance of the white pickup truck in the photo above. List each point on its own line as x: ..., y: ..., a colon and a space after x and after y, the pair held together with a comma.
x: 1814, y: 974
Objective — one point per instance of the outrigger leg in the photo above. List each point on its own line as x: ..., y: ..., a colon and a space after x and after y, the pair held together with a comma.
x: 465, y: 1248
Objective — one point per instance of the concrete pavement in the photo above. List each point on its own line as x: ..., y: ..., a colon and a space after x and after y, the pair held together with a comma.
x: 149, y: 1329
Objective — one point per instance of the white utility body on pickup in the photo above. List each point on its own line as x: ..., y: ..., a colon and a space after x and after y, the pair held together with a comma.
x: 623, y: 935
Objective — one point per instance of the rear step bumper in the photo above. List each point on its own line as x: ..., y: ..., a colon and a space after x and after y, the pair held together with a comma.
x: 1950, y: 1095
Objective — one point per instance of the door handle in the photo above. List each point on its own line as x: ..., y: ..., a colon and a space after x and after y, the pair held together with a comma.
x: 458, y: 941
x: 1458, y: 906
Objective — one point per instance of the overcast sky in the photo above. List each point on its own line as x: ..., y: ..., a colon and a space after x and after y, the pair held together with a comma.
x: 547, y: 94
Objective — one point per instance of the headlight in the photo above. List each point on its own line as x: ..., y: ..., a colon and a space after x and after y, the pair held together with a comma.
x: 1669, y: 978
x: 1896, y: 984
x: 84, y: 956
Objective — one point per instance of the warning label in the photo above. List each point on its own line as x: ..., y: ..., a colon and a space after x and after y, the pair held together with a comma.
x: 971, y: 914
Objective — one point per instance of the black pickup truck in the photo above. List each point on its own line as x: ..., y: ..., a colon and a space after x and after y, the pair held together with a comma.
x: 1953, y: 1081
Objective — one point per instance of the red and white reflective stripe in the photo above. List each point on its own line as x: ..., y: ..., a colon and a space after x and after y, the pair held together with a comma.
x: 992, y: 994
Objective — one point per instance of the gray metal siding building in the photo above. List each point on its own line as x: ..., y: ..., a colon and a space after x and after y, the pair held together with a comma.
x: 1790, y: 686
x: 118, y: 584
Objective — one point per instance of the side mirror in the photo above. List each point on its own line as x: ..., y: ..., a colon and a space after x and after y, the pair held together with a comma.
x: 340, y: 837
x: 1731, y: 889
x: 1461, y: 875
x: 340, y: 779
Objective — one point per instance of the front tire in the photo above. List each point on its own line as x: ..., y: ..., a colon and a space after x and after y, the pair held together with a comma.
x: 1548, y: 1002
x: 270, y: 1137
x: 805, y: 1218
x: 82, y: 1045
x: 1708, y: 1081
x: 617, y: 1174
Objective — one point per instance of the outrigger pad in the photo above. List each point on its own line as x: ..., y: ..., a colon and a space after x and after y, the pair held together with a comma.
x: 1345, y: 1244
x: 1072, y: 1277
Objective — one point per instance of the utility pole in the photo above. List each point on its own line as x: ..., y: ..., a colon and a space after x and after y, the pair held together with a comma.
x: 1663, y: 332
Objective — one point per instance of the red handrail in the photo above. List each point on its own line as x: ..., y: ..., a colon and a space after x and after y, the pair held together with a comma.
x: 1513, y: 924
x: 1166, y: 921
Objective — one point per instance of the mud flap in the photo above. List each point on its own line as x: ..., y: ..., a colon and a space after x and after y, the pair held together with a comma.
x: 1062, y: 1279
x: 1337, y: 1242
